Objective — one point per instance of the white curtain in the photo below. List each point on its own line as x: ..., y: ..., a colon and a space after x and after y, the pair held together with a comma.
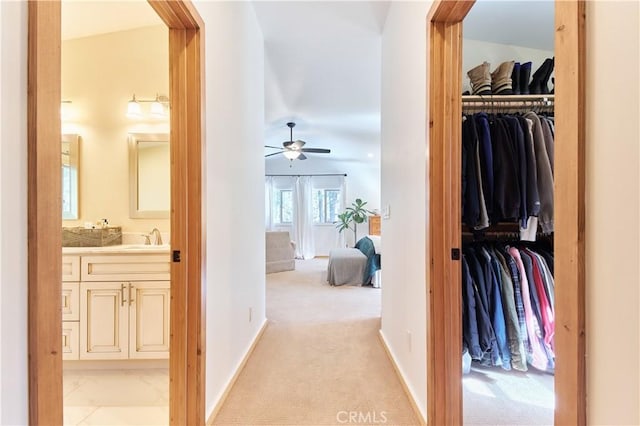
x: 268, y: 203
x: 303, y: 218
x: 341, y: 236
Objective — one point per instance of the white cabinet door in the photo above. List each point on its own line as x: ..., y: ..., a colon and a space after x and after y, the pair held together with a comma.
x: 70, y: 268
x: 70, y: 334
x: 70, y: 301
x: 104, y: 328
x: 149, y: 319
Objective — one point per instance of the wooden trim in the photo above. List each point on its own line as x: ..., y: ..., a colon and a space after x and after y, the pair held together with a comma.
x: 448, y: 11
x: 444, y: 342
x: 569, y: 202
x: 187, y: 364
x: 178, y: 14
x: 196, y: 307
x: 45, y: 215
x: 444, y: 391
x: 405, y: 387
x: 239, y: 370
x: 186, y: 76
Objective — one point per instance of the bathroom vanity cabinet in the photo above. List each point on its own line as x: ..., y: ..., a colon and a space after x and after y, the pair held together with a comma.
x: 116, y: 305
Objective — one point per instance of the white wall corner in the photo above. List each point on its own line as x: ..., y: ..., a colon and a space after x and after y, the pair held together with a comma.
x: 13, y: 214
x: 419, y: 405
x: 219, y: 399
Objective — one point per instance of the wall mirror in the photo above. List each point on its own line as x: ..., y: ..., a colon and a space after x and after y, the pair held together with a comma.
x: 149, y: 175
x: 70, y: 168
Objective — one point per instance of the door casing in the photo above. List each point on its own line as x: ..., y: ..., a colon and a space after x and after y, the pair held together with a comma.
x: 444, y: 329
x: 186, y: 80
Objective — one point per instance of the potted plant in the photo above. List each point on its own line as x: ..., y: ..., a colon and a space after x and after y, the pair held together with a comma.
x: 355, y: 214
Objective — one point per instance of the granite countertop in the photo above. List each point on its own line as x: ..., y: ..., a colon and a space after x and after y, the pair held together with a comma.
x: 119, y: 249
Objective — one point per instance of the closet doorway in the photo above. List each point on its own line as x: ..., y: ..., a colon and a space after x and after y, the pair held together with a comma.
x: 444, y: 339
x: 186, y: 80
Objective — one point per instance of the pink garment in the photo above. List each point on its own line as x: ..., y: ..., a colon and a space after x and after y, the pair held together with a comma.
x: 545, y: 307
x: 538, y: 356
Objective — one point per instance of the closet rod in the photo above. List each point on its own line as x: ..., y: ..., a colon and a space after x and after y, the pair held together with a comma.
x: 508, y: 103
x: 506, y: 98
x: 325, y: 174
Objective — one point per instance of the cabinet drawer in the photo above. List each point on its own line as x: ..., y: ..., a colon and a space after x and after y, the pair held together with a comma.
x: 70, y: 301
x: 152, y: 267
x: 374, y: 225
x: 70, y: 268
x: 70, y: 340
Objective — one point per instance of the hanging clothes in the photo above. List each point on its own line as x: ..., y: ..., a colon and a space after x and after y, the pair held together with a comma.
x: 508, y: 317
x: 507, y: 171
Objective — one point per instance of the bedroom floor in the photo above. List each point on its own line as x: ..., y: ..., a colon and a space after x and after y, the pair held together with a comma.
x: 320, y: 360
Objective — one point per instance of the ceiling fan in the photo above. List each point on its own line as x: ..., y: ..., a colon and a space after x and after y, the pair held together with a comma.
x: 294, y: 149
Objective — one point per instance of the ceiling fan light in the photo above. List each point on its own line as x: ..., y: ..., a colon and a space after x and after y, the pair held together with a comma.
x: 291, y: 155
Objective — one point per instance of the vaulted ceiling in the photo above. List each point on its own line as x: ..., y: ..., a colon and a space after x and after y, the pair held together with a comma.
x: 323, y: 71
x: 323, y: 60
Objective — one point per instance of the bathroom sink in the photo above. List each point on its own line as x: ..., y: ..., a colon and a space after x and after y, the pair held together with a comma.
x: 135, y: 247
x: 143, y: 247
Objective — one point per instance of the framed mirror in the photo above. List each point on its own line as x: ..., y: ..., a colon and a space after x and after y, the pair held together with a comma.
x: 70, y: 169
x: 149, y: 175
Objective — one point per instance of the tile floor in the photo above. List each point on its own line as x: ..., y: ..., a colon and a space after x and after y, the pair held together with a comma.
x: 116, y: 397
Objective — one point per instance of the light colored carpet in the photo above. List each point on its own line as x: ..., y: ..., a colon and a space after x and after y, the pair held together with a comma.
x: 492, y: 396
x: 320, y: 361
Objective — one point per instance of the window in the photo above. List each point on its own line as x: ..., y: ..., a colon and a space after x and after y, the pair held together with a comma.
x: 326, y: 205
x: 283, y: 206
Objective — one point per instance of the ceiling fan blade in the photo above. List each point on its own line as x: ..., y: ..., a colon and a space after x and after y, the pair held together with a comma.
x: 272, y: 147
x: 316, y: 150
x: 275, y: 153
x: 302, y: 157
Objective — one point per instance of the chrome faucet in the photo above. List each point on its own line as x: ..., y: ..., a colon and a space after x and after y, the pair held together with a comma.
x: 158, y: 238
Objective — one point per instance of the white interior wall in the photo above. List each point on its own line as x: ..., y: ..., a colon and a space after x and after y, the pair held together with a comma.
x: 612, y: 213
x: 99, y: 75
x: 235, y: 241
x: 404, y: 190
x: 1, y: 216
x: 475, y: 52
x: 13, y: 214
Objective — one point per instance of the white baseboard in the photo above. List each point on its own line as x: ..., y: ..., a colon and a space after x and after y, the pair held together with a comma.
x: 407, y: 390
x: 232, y: 382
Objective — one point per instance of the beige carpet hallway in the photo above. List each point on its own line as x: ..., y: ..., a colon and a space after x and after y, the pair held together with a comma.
x: 320, y: 360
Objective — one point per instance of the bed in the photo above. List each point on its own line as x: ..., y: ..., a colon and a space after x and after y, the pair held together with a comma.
x: 356, y: 266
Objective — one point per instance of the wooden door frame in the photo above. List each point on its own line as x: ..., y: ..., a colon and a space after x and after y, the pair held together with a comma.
x: 444, y: 329
x: 187, y: 341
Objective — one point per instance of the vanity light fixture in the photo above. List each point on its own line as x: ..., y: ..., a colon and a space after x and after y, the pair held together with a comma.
x: 158, y: 107
x: 133, y: 108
